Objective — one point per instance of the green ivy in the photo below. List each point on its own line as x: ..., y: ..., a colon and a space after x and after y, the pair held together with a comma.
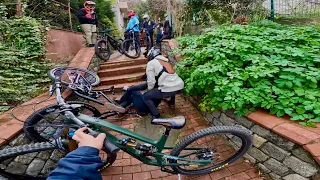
x: 23, y: 68
x: 261, y: 65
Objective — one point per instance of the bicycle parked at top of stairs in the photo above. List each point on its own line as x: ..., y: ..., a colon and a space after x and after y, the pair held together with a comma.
x: 102, y: 49
x: 200, y: 153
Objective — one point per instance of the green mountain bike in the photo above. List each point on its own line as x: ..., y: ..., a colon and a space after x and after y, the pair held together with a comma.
x: 199, y: 153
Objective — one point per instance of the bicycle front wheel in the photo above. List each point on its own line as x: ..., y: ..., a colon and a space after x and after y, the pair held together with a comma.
x: 102, y: 49
x: 130, y: 49
x: 25, y: 149
x: 222, y: 145
x: 44, y: 124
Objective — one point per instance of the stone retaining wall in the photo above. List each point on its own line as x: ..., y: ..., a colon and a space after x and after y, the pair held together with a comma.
x: 277, y: 157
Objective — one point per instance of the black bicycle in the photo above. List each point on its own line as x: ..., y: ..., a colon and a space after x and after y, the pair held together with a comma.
x: 130, y: 46
x: 102, y: 49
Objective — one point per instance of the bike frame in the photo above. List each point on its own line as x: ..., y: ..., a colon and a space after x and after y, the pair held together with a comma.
x: 106, y: 36
x: 161, y: 159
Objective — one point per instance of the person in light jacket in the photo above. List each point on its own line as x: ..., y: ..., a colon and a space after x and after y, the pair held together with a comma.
x: 162, y: 81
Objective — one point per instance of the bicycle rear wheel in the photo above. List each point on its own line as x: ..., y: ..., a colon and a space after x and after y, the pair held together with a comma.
x: 102, y: 49
x: 131, y: 50
x: 211, y: 143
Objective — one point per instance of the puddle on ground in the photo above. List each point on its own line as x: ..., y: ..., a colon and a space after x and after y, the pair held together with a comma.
x: 144, y: 127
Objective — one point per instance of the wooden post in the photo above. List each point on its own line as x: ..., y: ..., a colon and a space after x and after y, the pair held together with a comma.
x: 19, y: 8
x: 69, y: 11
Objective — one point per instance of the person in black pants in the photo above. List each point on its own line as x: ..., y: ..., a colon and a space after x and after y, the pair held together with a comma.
x: 134, y: 96
x: 133, y: 25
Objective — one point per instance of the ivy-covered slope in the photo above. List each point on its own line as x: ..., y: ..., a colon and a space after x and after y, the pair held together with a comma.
x: 23, y: 68
x: 261, y: 65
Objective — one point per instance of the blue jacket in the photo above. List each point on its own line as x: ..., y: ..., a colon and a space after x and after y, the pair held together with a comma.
x: 133, y: 23
x: 149, y: 25
x: 81, y: 164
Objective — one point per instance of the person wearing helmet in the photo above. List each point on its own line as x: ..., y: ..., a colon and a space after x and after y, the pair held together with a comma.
x: 133, y: 25
x: 149, y: 26
x: 162, y: 81
x: 89, y: 21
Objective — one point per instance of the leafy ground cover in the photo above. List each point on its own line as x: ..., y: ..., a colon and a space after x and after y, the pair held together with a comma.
x: 23, y: 67
x: 261, y: 65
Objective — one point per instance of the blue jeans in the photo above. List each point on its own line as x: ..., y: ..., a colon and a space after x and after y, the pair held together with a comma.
x: 159, y: 36
x: 134, y: 96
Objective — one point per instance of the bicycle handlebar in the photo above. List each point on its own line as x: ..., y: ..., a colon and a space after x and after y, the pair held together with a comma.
x: 107, y: 144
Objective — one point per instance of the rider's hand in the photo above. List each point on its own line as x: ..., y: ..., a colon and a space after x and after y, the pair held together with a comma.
x: 88, y: 140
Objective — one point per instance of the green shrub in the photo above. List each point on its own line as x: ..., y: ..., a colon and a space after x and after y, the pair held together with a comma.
x: 23, y: 68
x: 261, y: 65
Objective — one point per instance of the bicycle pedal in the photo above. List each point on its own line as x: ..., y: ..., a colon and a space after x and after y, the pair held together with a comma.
x: 164, y: 169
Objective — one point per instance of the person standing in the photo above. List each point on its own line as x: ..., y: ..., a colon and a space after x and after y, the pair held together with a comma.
x: 167, y: 30
x: 89, y: 21
x: 133, y: 25
x: 149, y: 26
x: 159, y: 32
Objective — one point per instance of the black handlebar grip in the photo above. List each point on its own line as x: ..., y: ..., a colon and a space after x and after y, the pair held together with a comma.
x: 110, y: 146
x: 106, y: 144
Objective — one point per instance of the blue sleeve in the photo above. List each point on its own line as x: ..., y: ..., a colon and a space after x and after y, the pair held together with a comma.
x: 83, y: 163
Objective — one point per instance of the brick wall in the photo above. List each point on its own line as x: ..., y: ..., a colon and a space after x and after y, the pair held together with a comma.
x: 63, y: 44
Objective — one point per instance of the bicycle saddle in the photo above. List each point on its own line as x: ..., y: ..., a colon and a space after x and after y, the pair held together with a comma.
x: 175, y: 122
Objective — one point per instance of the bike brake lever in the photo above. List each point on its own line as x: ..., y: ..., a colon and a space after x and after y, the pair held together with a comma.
x: 51, y: 90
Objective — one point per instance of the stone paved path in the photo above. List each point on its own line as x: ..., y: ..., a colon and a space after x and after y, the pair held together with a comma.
x: 128, y: 168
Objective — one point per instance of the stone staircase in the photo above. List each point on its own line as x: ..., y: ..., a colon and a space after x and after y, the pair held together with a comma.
x: 121, y: 73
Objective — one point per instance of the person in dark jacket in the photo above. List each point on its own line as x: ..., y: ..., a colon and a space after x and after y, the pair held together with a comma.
x: 159, y: 32
x: 149, y: 26
x: 89, y: 21
x: 167, y: 30
x: 82, y: 163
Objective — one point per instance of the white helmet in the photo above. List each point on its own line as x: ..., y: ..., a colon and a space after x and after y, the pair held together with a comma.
x: 146, y: 16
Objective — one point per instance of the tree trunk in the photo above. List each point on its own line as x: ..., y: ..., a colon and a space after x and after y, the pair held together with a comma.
x: 19, y: 8
x: 69, y: 11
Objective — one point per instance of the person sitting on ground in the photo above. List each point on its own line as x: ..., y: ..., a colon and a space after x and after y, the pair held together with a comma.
x: 167, y: 30
x: 133, y: 25
x: 89, y: 21
x: 149, y: 26
x: 162, y: 81
x: 82, y: 163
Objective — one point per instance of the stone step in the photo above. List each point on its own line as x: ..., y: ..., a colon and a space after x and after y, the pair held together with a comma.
x: 127, y: 78
x: 118, y: 87
x: 118, y: 64
x: 122, y: 70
